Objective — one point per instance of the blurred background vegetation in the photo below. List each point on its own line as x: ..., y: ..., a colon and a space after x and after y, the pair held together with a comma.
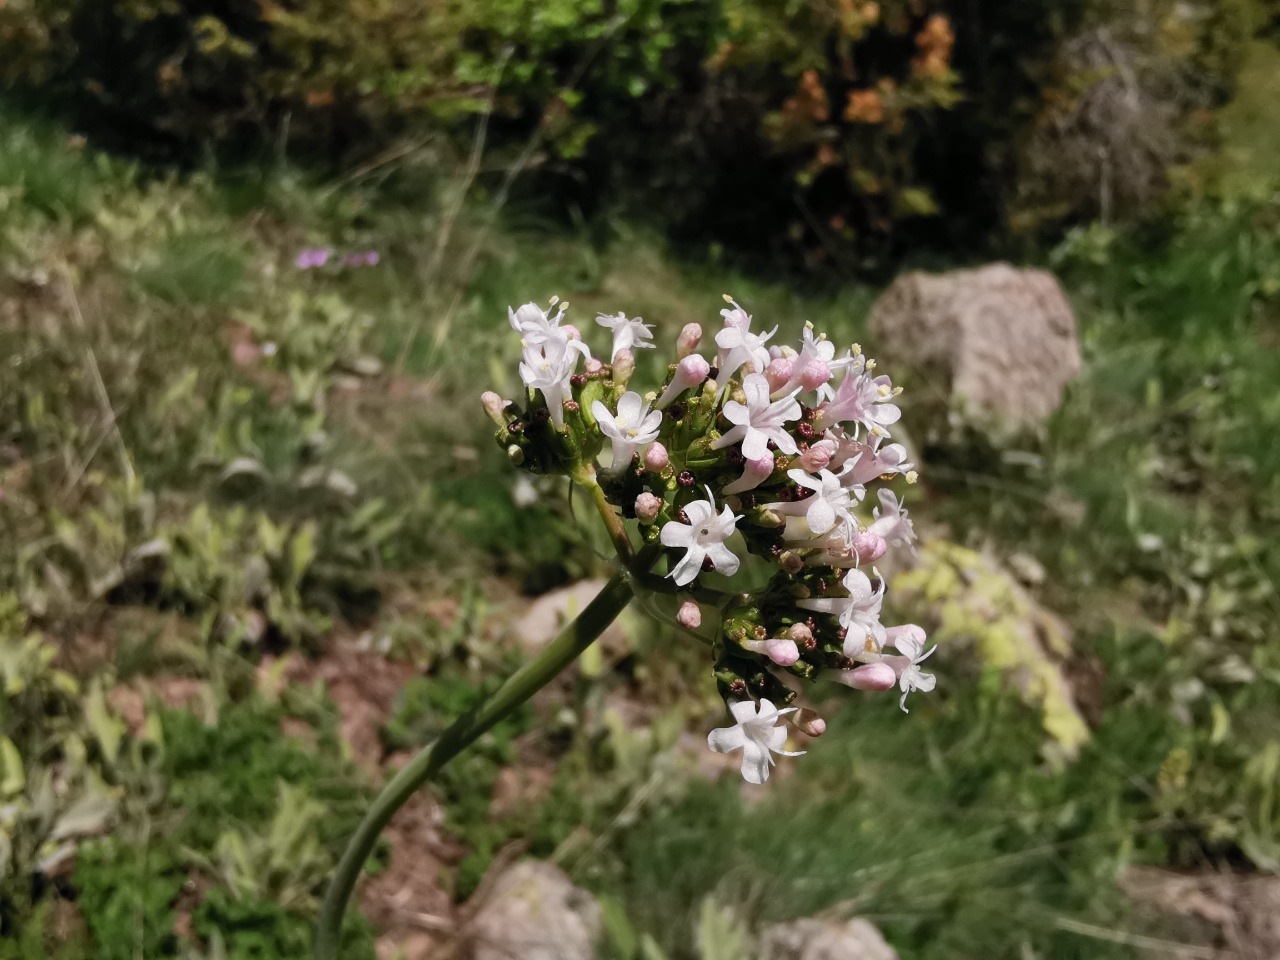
x: 256, y: 542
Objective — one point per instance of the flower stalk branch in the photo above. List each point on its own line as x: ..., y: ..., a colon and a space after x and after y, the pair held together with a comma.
x: 523, y: 684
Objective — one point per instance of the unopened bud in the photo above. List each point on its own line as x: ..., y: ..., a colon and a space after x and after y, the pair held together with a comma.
x: 817, y: 457
x: 573, y: 332
x: 869, y: 676
x: 624, y: 364
x: 647, y: 507
x: 780, y: 650
x: 791, y: 562
x: 809, y: 723
x: 801, y: 634
x: 690, y: 372
x: 778, y: 373
x: 515, y: 454
x: 689, y: 615
x: 655, y: 458
x: 593, y: 366
x: 754, y: 473
x: 814, y: 375
x: 493, y: 407
x: 687, y: 342
x: 869, y: 547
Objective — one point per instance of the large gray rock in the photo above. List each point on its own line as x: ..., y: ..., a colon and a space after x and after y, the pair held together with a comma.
x: 809, y: 939
x: 997, y: 341
x: 534, y: 912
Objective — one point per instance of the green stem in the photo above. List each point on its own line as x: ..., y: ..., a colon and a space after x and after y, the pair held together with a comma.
x: 524, y: 683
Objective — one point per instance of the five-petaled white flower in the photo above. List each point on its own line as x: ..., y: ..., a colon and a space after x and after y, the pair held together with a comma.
x: 702, y: 538
x: 538, y: 327
x: 630, y: 428
x: 816, y: 353
x: 738, y: 345
x: 828, y: 506
x: 759, y: 420
x: 548, y: 368
x: 862, y: 399
x: 891, y: 521
x: 859, y: 613
x: 757, y: 735
x: 628, y: 334
x: 910, y: 676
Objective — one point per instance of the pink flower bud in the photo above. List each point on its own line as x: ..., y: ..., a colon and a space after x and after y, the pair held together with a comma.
x: 690, y: 372
x: 905, y: 631
x: 689, y: 615
x: 782, y: 651
x: 778, y: 373
x: 647, y: 507
x: 754, y: 473
x: 687, y: 342
x: 801, y: 634
x: 869, y: 547
x: 809, y: 723
x: 624, y: 364
x: 814, y: 375
x: 494, y: 406
x: 817, y: 457
x: 573, y: 332
x: 655, y: 458
x: 869, y: 676
x: 776, y: 352
x: 593, y: 366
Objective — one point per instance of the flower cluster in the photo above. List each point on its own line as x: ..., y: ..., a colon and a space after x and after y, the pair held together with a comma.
x: 752, y: 446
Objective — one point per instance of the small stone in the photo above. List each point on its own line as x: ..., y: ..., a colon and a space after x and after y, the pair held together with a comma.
x: 534, y: 912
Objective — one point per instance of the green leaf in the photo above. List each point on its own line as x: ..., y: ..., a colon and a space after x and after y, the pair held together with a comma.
x: 13, y: 776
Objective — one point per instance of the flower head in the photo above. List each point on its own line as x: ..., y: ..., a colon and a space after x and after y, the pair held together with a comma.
x: 702, y: 538
x: 757, y: 733
x: 759, y: 420
x: 631, y: 427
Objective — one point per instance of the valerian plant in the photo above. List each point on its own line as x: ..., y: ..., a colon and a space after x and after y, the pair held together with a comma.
x: 752, y: 447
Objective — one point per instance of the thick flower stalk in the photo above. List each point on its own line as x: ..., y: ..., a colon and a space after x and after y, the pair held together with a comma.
x: 748, y: 448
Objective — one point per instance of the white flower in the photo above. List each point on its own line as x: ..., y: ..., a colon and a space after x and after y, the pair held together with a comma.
x: 910, y: 676
x: 631, y: 334
x: 538, y: 327
x: 817, y: 354
x: 859, y: 613
x: 891, y: 521
x: 862, y: 399
x: 548, y: 368
x: 759, y: 420
x: 702, y: 537
x: 631, y: 427
x: 757, y: 734
x: 738, y: 345
x: 829, y: 505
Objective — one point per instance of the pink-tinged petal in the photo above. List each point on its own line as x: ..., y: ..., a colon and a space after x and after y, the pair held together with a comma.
x: 875, y: 677
x: 726, y: 739
x: 755, y: 446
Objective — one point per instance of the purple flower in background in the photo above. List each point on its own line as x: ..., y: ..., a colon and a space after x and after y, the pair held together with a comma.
x: 364, y: 258
x: 312, y: 257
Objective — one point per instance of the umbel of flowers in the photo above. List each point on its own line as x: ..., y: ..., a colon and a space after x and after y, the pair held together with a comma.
x: 747, y: 446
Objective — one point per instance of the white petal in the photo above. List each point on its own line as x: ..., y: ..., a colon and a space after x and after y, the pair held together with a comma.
x: 699, y: 513
x: 926, y: 682
x: 630, y: 404
x: 725, y: 560
x: 755, y: 762
x: 726, y: 739
x: 744, y: 710
x: 676, y: 534
x: 755, y: 445
x: 688, y: 568
x: 820, y: 516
